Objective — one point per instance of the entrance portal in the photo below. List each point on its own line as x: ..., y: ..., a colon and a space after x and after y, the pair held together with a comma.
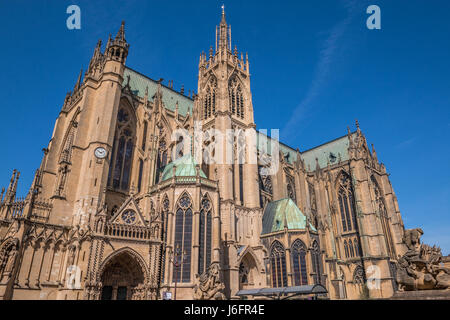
x: 122, y: 274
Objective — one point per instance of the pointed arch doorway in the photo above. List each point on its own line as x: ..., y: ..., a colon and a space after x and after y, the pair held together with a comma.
x: 122, y: 278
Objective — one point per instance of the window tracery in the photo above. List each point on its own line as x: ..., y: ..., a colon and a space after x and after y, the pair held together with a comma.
x: 209, y: 100
x: 316, y: 262
x: 384, y: 219
x: 278, y: 265
x: 122, y: 152
x: 205, y: 235
x: 183, y: 237
x: 346, y: 204
x: 236, y: 97
x: 298, y: 253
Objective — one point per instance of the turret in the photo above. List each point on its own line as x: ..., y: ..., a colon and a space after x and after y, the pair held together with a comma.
x: 117, y: 49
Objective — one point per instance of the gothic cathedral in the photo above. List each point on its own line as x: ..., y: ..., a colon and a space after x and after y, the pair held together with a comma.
x: 117, y: 210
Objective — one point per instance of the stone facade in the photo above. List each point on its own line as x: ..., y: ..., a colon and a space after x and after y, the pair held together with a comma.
x: 117, y: 211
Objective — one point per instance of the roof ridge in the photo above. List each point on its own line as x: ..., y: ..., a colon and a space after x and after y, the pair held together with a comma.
x: 148, y: 78
x: 325, y: 143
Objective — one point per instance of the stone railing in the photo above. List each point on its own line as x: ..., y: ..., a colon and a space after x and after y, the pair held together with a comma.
x: 129, y: 232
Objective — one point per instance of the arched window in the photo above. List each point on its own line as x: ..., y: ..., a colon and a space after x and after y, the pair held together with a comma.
x: 161, y: 160
x: 384, y: 219
x: 141, y: 169
x: 346, y: 204
x: 316, y: 262
x: 313, y: 201
x: 298, y: 254
x: 346, y: 249
x: 122, y: 153
x: 183, y: 238
x: 164, y: 218
x: 205, y: 234
x: 350, y: 248
x: 291, y: 188
x: 209, y: 100
x: 278, y: 264
x: 236, y: 97
x: 144, y: 135
x: 356, y: 245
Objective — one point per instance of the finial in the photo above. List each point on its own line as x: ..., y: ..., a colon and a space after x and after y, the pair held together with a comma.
x: 78, y: 84
x: 222, y: 22
x: 121, y: 33
x: 357, y: 123
x: 1, y: 195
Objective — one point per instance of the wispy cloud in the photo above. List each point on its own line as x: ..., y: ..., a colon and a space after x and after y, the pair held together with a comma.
x: 326, y: 58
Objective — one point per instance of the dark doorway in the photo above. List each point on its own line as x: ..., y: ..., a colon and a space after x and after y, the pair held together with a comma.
x: 107, y: 293
x: 122, y: 293
x: 121, y: 274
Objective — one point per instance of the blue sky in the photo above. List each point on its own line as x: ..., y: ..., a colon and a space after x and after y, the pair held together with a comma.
x: 315, y: 69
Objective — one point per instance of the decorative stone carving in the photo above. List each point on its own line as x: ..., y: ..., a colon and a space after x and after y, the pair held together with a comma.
x: 420, y: 267
x: 209, y: 285
x: 8, y: 256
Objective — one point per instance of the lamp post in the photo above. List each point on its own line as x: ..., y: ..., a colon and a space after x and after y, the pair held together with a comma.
x: 177, y: 258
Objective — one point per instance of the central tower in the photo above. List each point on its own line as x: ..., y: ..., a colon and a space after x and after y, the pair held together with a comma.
x: 224, y: 109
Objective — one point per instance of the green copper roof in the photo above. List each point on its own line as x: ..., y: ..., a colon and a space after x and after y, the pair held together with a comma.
x: 264, y: 140
x: 329, y: 152
x: 170, y: 97
x: 185, y: 167
x: 281, y: 211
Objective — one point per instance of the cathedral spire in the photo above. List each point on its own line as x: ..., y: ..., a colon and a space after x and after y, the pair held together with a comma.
x: 223, y: 21
x: 224, y: 33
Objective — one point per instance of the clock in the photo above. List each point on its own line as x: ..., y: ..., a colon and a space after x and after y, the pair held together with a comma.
x: 100, y: 153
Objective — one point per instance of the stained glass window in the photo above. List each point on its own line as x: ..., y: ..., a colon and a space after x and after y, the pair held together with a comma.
x: 183, y: 238
x: 209, y: 100
x: 384, y: 219
x: 205, y: 234
x: 346, y: 204
x: 278, y: 263
x: 316, y: 262
x: 236, y: 97
x: 298, y: 253
x: 122, y: 152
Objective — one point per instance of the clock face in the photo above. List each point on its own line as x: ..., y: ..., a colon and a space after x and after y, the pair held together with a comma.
x: 100, y: 153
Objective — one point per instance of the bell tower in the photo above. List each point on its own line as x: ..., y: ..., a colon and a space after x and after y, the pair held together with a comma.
x: 225, y: 110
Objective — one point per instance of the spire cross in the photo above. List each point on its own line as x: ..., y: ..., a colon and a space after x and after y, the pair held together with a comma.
x: 223, y: 9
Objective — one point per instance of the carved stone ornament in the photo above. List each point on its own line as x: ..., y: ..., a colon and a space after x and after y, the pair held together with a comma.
x: 209, y: 285
x: 420, y: 268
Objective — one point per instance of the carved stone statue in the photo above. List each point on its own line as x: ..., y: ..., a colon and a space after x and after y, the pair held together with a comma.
x: 420, y: 267
x: 209, y: 285
x: 411, y: 238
